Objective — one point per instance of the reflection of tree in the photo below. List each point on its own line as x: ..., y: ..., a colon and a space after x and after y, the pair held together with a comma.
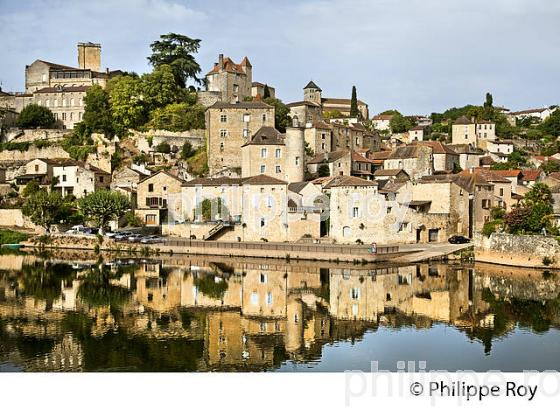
x: 97, y: 289
x: 211, y: 287
x: 44, y: 280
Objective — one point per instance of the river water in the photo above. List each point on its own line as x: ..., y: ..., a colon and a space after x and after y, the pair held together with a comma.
x: 66, y: 312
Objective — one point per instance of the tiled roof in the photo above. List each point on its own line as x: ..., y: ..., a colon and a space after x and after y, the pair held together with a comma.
x: 530, y: 174
x: 297, y: 186
x: 340, y: 101
x: 300, y: 103
x: 360, y: 158
x: 486, y: 160
x: 462, y: 121
x: 383, y: 117
x: 507, y: 173
x: 328, y: 157
x: 530, y: 111
x: 230, y: 66
x: 437, y: 147
x: 389, y: 172
x: 78, y: 89
x: 267, y: 136
x: 311, y: 84
x: 254, y: 180
x: 489, y: 175
x: 347, y: 180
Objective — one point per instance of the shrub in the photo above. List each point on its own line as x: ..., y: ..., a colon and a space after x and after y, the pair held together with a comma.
x: 163, y: 148
x: 546, y: 261
x: 34, y: 116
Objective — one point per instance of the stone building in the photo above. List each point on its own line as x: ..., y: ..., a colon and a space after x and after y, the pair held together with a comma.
x: 257, y: 89
x: 230, y: 126
x: 271, y: 153
x: 318, y: 137
x: 415, y: 160
x: 232, y: 81
x: 473, y: 132
x: 338, y: 162
x: 382, y: 122
x: 159, y: 198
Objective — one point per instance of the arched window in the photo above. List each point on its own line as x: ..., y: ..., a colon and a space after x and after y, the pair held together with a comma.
x: 346, y: 231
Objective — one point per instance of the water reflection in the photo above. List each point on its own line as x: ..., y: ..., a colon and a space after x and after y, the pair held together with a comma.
x: 197, y: 315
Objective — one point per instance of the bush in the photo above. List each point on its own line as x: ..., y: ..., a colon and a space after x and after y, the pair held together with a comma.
x: 12, y: 237
x: 34, y: 116
x: 163, y: 148
x: 546, y: 261
x: 178, y: 117
x: 187, y: 150
x: 490, y: 227
x: 323, y: 170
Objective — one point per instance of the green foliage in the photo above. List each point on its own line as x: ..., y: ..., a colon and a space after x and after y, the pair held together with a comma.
x: 198, y: 163
x: 539, y: 193
x: 497, y: 212
x: 30, y: 188
x: 323, y: 170
x: 400, y: 124
x: 177, y: 51
x: 547, y: 261
x: 141, y: 158
x: 389, y: 112
x: 15, y: 146
x: 552, y: 124
x: 163, y: 148
x: 116, y: 159
x: 98, y: 116
x: 42, y: 143
x: 7, y: 236
x: 535, y: 214
x: 332, y: 114
x: 35, y: 116
x: 44, y: 208
x: 187, y: 150
x: 127, y: 105
x: 550, y: 166
x: 178, y: 117
x: 101, y: 207
x: 490, y: 227
x: 281, y: 111
x: 160, y: 89
x: 516, y: 160
x: 266, y: 92
x: 308, y: 151
x: 354, y: 103
x: 132, y: 220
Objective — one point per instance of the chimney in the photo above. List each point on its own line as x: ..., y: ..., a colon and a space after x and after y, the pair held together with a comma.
x: 221, y: 60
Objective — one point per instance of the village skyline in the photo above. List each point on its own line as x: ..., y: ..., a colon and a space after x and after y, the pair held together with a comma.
x: 415, y: 68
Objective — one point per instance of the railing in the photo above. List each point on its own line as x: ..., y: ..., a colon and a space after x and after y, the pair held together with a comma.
x: 284, y: 247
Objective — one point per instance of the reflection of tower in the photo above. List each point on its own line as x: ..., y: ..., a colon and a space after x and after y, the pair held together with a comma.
x: 293, y: 338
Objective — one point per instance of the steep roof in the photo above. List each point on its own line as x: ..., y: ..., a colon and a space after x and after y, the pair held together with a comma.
x: 486, y: 160
x: 297, y: 187
x: 530, y: 175
x: 230, y: 67
x: 360, y: 158
x: 175, y: 177
x: 347, y: 180
x: 267, y: 136
x: 328, y: 157
x: 311, y: 84
x: 409, y: 151
x: 463, y: 121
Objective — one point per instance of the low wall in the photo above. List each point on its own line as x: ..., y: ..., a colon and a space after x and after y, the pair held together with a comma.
x: 178, y: 139
x: 517, y: 250
x: 30, y: 135
x: 33, y: 153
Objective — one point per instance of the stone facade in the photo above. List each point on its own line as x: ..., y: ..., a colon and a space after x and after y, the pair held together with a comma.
x: 233, y: 81
x: 159, y: 198
x: 474, y: 133
x: 229, y: 126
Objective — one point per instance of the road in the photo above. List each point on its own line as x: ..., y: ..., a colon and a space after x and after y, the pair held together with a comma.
x: 423, y: 251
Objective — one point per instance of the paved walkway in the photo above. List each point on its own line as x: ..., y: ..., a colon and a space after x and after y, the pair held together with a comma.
x: 423, y: 251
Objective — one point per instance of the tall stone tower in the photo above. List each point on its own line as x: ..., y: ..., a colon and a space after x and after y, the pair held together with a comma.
x: 89, y: 56
x: 312, y: 93
x: 295, y: 154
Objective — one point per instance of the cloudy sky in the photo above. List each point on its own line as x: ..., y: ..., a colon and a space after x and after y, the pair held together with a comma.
x: 417, y: 56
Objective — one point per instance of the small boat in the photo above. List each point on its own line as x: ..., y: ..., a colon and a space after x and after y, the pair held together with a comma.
x: 13, y: 246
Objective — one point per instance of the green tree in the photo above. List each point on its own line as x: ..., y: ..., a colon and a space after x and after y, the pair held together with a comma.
x: 127, y: 105
x: 187, y: 150
x: 281, y: 111
x: 550, y: 166
x: 539, y: 193
x: 178, y: 117
x: 552, y: 124
x: 101, y: 207
x: 323, y: 170
x: 160, y: 89
x: 354, y: 103
x: 98, y: 115
x: 44, y: 208
x: 35, y: 116
x: 399, y: 123
x: 163, y: 148
x: 266, y: 92
x: 30, y: 188
x: 177, y: 51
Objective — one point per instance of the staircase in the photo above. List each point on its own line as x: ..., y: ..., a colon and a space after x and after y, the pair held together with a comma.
x: 218, y: 229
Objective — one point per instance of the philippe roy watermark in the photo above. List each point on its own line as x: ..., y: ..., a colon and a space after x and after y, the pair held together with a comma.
x: 411, y: 379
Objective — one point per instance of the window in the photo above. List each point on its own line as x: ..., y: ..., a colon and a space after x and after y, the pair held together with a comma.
x: 389, y: 209
x: 44, y: 78
x: 263, y: 222
x: 269, y: 298
x: 254, y: 298
x: 36, y: 168
x: 278, y: 153
x: 71, y: 116
x: 263, y: 152
x: 150, y: 219
x: 63, y: 178
x: 278, y: 169
x: 63, y: 116
x: 264, y: 117
x: 150, y: 187
x: 355, y: 293
x: 501, y: 191
x: 355, y: 212
x: 246, y: 117
x: 221, y: 146
x: 223, y: 118
x: 263, y: 169
x: 263, y: 278
x: 101, y: 179
x: 245, y: 133
x: 223, y: 133
x: 297, y: 160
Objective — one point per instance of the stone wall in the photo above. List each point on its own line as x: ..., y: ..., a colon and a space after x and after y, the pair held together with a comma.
x: 178, y: 139
x: 20, y: 135
x: 14, y: 218
x: 32, y: 153
x: 517, y: 250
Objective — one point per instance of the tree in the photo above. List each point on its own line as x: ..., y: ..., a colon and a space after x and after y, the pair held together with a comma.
x: 163, y: 148
x: 552, y: 124
x: 354, y: 103
x: 101, y: 207
x: 489, y: 101
x: 127, y: 105
x: 323, y: 170
x: 177, y: 51
x: 44, y: 208
x: 187, y: 150
x: 399, y: 123
x: 281, y: 111
x: 98, y: 115
x: 539, y: 193
x: 34, y: 116
x: 550, y: 166
x: 266, y: 92
x: 178, y: 117
x: 160, y: 89
x: 30, y: 188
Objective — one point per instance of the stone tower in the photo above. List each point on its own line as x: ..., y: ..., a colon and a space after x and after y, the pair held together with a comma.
x: 312, y: 93
x: 89, y: 56
x: 295, y: 153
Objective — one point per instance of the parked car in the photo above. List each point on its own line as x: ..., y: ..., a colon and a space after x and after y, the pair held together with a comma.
x: 91, y: 231
x: 76, y: 229
x: 135, y: 237
x: 457, y: 239
x: 111, y: 234
x: 122, y: 236
x: 151, y: 239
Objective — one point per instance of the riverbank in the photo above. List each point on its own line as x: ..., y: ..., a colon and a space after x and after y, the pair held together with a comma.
x: 315, y: 252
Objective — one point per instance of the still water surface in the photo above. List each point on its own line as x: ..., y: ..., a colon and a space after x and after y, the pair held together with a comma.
x: 189, y: 314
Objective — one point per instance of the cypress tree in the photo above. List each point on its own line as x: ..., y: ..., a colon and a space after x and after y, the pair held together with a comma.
x: 354, y: 103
